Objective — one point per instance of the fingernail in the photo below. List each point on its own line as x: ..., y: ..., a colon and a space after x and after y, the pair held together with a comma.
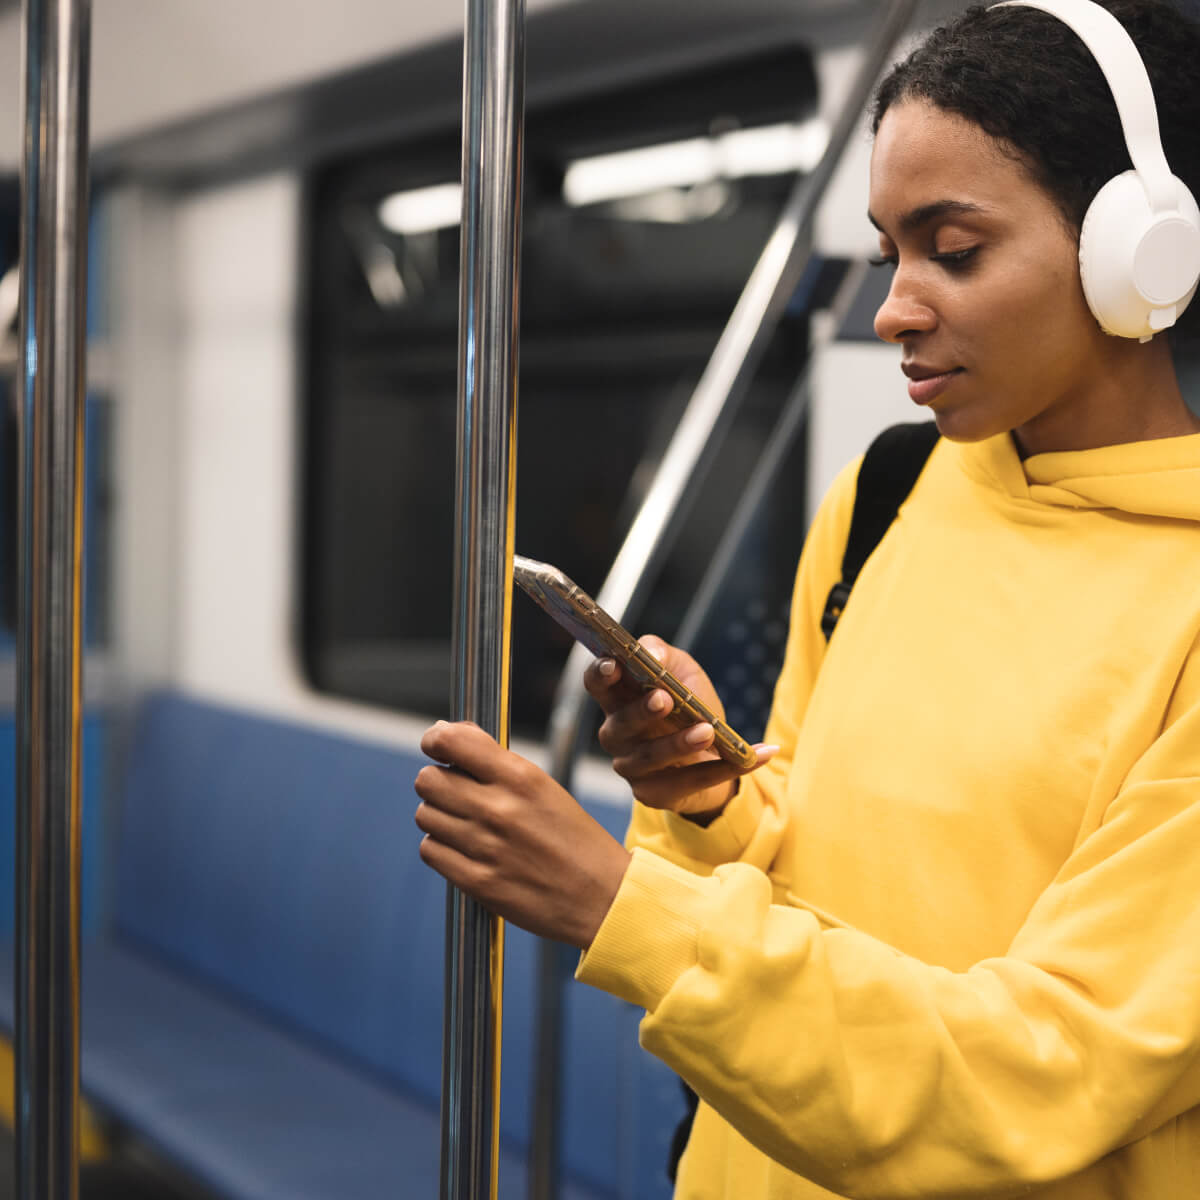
x: 440, y: 724
x: 698, y: 735
x: 658, y: 702
x: 762, y: 753
x: 607, y: 667
x: 657, y: 653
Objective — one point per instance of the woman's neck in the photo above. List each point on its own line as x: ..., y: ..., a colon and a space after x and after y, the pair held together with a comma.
x: 1133, y: 397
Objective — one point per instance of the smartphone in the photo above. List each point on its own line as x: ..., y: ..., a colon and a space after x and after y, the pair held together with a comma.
x: 588, y: 623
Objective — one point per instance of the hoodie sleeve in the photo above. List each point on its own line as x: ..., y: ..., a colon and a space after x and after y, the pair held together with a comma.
x: 875, y: 1074
x: 751, y: 826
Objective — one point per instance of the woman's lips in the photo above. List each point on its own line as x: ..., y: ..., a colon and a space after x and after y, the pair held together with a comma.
x: 932, y: 386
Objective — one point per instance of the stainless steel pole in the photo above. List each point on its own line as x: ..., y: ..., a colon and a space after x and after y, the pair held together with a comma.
x: 51, y: 422
x: 729, y: 371
x: 776, y: 449
x: 492, y: 171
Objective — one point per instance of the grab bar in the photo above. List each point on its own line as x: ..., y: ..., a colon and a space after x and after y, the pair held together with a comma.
x: 730, y: 368
x: 50, y: 405
x: 778, y: 445
x: 492, y: 178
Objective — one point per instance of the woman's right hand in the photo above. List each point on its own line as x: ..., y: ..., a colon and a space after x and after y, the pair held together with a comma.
x: 666, y: 766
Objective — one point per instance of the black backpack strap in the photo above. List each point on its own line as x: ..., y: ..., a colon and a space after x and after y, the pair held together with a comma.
x: 889, y: 471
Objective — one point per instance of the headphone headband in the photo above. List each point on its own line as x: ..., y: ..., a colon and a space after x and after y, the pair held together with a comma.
x: 1119, y: 60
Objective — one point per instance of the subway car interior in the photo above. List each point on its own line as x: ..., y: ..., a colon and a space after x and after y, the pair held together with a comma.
x: 268, y: 493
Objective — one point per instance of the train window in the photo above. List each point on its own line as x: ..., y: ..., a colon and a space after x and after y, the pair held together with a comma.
x: 644, y: 215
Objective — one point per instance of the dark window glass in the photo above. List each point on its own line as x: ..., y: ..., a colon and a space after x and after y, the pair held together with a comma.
x: 622, y: 304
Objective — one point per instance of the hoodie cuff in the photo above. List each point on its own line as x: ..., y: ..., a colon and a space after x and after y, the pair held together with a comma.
x: 726, y: 839
x: 649, y: 936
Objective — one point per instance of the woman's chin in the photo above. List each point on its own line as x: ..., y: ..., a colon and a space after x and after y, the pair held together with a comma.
x: 964, y: 425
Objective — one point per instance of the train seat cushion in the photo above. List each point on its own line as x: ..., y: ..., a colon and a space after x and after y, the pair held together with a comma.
x: 275, y: 971
x: 280, y: 862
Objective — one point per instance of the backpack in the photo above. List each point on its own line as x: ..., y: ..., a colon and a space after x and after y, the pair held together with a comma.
x: 889, y: 471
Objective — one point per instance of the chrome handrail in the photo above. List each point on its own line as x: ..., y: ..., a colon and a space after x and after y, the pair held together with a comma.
x: 767, y: 466
x: 50, y: 405
x: 492, y: 176
x: 730, y: 368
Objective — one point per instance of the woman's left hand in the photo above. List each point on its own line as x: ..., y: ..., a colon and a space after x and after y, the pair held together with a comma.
x: 501, y: 830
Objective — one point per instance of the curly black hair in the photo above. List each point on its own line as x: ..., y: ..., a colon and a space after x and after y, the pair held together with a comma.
x: 1025, y: 77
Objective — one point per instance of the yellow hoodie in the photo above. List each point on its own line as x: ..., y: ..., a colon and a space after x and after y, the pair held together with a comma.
x: 947, y: 943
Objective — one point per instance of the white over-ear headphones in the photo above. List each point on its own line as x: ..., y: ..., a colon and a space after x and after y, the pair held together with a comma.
x: 1139, y: 247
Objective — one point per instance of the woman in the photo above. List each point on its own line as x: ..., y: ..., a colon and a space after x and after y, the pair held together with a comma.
x: 945, y: 939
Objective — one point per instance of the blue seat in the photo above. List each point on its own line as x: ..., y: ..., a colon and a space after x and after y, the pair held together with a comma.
x: 267, y: 1007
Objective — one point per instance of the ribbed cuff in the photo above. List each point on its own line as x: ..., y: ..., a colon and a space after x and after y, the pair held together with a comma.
x: 648, y: 939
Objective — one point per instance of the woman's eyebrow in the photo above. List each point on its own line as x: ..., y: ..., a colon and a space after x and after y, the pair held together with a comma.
x: 926, y: 213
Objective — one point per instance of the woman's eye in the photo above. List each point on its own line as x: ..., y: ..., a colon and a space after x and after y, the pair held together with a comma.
x: 951, y: 259
x: 955, y: 258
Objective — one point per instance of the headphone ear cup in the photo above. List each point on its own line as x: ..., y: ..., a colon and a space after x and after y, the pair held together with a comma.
x: 1138, y: 268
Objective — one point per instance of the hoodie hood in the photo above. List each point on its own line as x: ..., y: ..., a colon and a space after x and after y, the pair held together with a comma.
x: 1159, y: 478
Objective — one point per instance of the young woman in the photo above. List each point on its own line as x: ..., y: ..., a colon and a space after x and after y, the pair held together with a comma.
x: 945, y: 939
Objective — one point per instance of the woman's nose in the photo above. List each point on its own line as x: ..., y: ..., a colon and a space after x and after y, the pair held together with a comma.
x: 904, y: 313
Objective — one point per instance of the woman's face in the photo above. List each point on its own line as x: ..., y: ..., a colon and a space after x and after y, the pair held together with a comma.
x: 985, y: 299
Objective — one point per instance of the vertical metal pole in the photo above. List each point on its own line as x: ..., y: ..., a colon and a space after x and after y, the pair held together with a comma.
x: 726, y: 377
x: 51, y: 423
x: 492, y: 170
